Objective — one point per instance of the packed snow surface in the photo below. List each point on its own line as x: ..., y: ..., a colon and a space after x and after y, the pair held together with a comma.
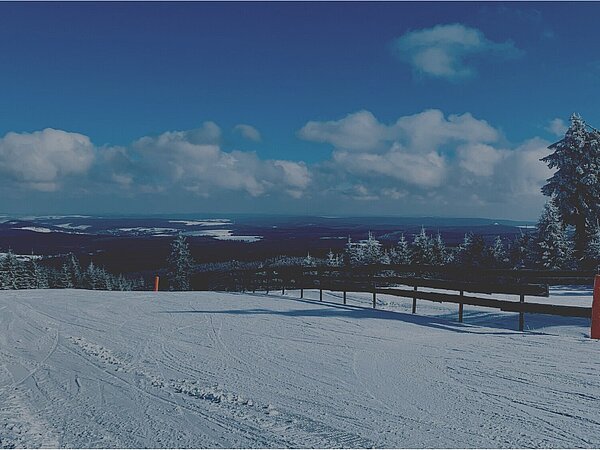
x: 204, y: 369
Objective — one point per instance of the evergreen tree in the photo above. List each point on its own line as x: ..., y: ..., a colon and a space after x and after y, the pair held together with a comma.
x: 385, y: 257
x: 354, y: 253
x: 181, y: 264
x: 14, y: 272
x: 64, y: 280
x: 421, y: 249
x: 522, y: 251
x: 439, y: 254
x: 4, y: 281
x: 309, y: 261
x: 576, y: 183
x: 400, y: 254
x: 36, y: 275
x: 74, y: 270
x: 498, y: 254
x: 372, y: 251
x: 91, y: 277
x: 472, y: 252
x: 333, y: 260
x: 592, y: 251
x: 553, y: 246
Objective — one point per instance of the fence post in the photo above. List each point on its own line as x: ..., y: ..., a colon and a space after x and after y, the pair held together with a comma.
x: 522, y: 314
x: 460, y: 309
x: 374, y: 287
x: 156, y: 281
x: 320, y: 276
x: 344, y: 297
x: 595, y: 331
x: 414, y: 309
x: 301, y: 292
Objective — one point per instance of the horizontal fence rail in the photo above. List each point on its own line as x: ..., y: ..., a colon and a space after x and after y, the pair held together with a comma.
x: 388, y: 279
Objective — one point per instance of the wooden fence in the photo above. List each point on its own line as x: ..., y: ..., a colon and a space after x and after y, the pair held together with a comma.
x: 405, y: 281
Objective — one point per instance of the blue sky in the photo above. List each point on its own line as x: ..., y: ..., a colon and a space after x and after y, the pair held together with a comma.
x: 277, y: 93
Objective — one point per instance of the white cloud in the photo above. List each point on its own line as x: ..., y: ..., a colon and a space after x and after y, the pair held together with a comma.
x: 429, y: 161
x: 248, y: 131
x: 42, y: 159
x: 173, y: 159
x: 557, y: 127
x: 357, y: 131
x: 361, y: 131
x: 479, y: 159
x: 421, y: 170
x: 442, y: 51
x: 190, y: 161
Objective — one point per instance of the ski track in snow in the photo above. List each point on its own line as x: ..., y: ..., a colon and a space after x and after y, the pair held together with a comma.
x: 203, y: 369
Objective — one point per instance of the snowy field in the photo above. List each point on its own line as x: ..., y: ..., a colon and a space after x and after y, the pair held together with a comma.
x: 114, y: 369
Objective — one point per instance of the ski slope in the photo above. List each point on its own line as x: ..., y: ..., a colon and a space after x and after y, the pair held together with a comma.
x: 203, y: 369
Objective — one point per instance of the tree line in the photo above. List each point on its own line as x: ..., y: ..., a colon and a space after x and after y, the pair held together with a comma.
x: 28, y: 273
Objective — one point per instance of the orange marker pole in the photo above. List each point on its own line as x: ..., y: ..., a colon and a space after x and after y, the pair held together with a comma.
x: 156, y: 280
x: 595, y: 334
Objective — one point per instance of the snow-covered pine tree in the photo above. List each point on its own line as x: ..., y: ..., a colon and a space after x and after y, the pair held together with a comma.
x: 64, y: 279
x: 372, y: 251
x: 333, y: 260
x: 522, y: 251
x: 439, y: 254
x: 181, y: 264
x: 91, y: 277
x: 498, y: 254
x: 104, y: 280
x: 421, y: 252
x: 74, y: 270
x: 354, y: 253
x: 4, y: 281
x: 592, y: 252
x: 309, y: 261
x: 552, y: 243
x: 472, y: 252
x: 36, y: 275
x: 14, y: 272
x: 576, y: 183
x: 400, y: 253
x: 385, y: 257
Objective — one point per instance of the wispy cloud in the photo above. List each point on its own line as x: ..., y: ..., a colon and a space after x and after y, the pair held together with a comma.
x: 443, y: 51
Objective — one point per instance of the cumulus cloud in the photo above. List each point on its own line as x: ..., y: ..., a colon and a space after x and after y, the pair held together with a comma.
x: 361, y: 131
x: 443, y: 51
x: 202, y: 167
x: 557, y: 127
x: 422, y: 163
x: 191, y: 160
x: 248, y: 132
x: 357, y: 131
x: 43, y: 159
x: 428, y: 159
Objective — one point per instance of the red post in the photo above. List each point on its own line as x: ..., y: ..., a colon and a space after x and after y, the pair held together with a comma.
x: 595, y: 334
x: 156, y: 280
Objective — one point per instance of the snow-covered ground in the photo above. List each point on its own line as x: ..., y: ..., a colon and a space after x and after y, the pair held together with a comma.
x: 202, y: 369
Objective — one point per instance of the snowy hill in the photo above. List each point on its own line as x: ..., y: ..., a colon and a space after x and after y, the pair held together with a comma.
x: 201, y: 369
